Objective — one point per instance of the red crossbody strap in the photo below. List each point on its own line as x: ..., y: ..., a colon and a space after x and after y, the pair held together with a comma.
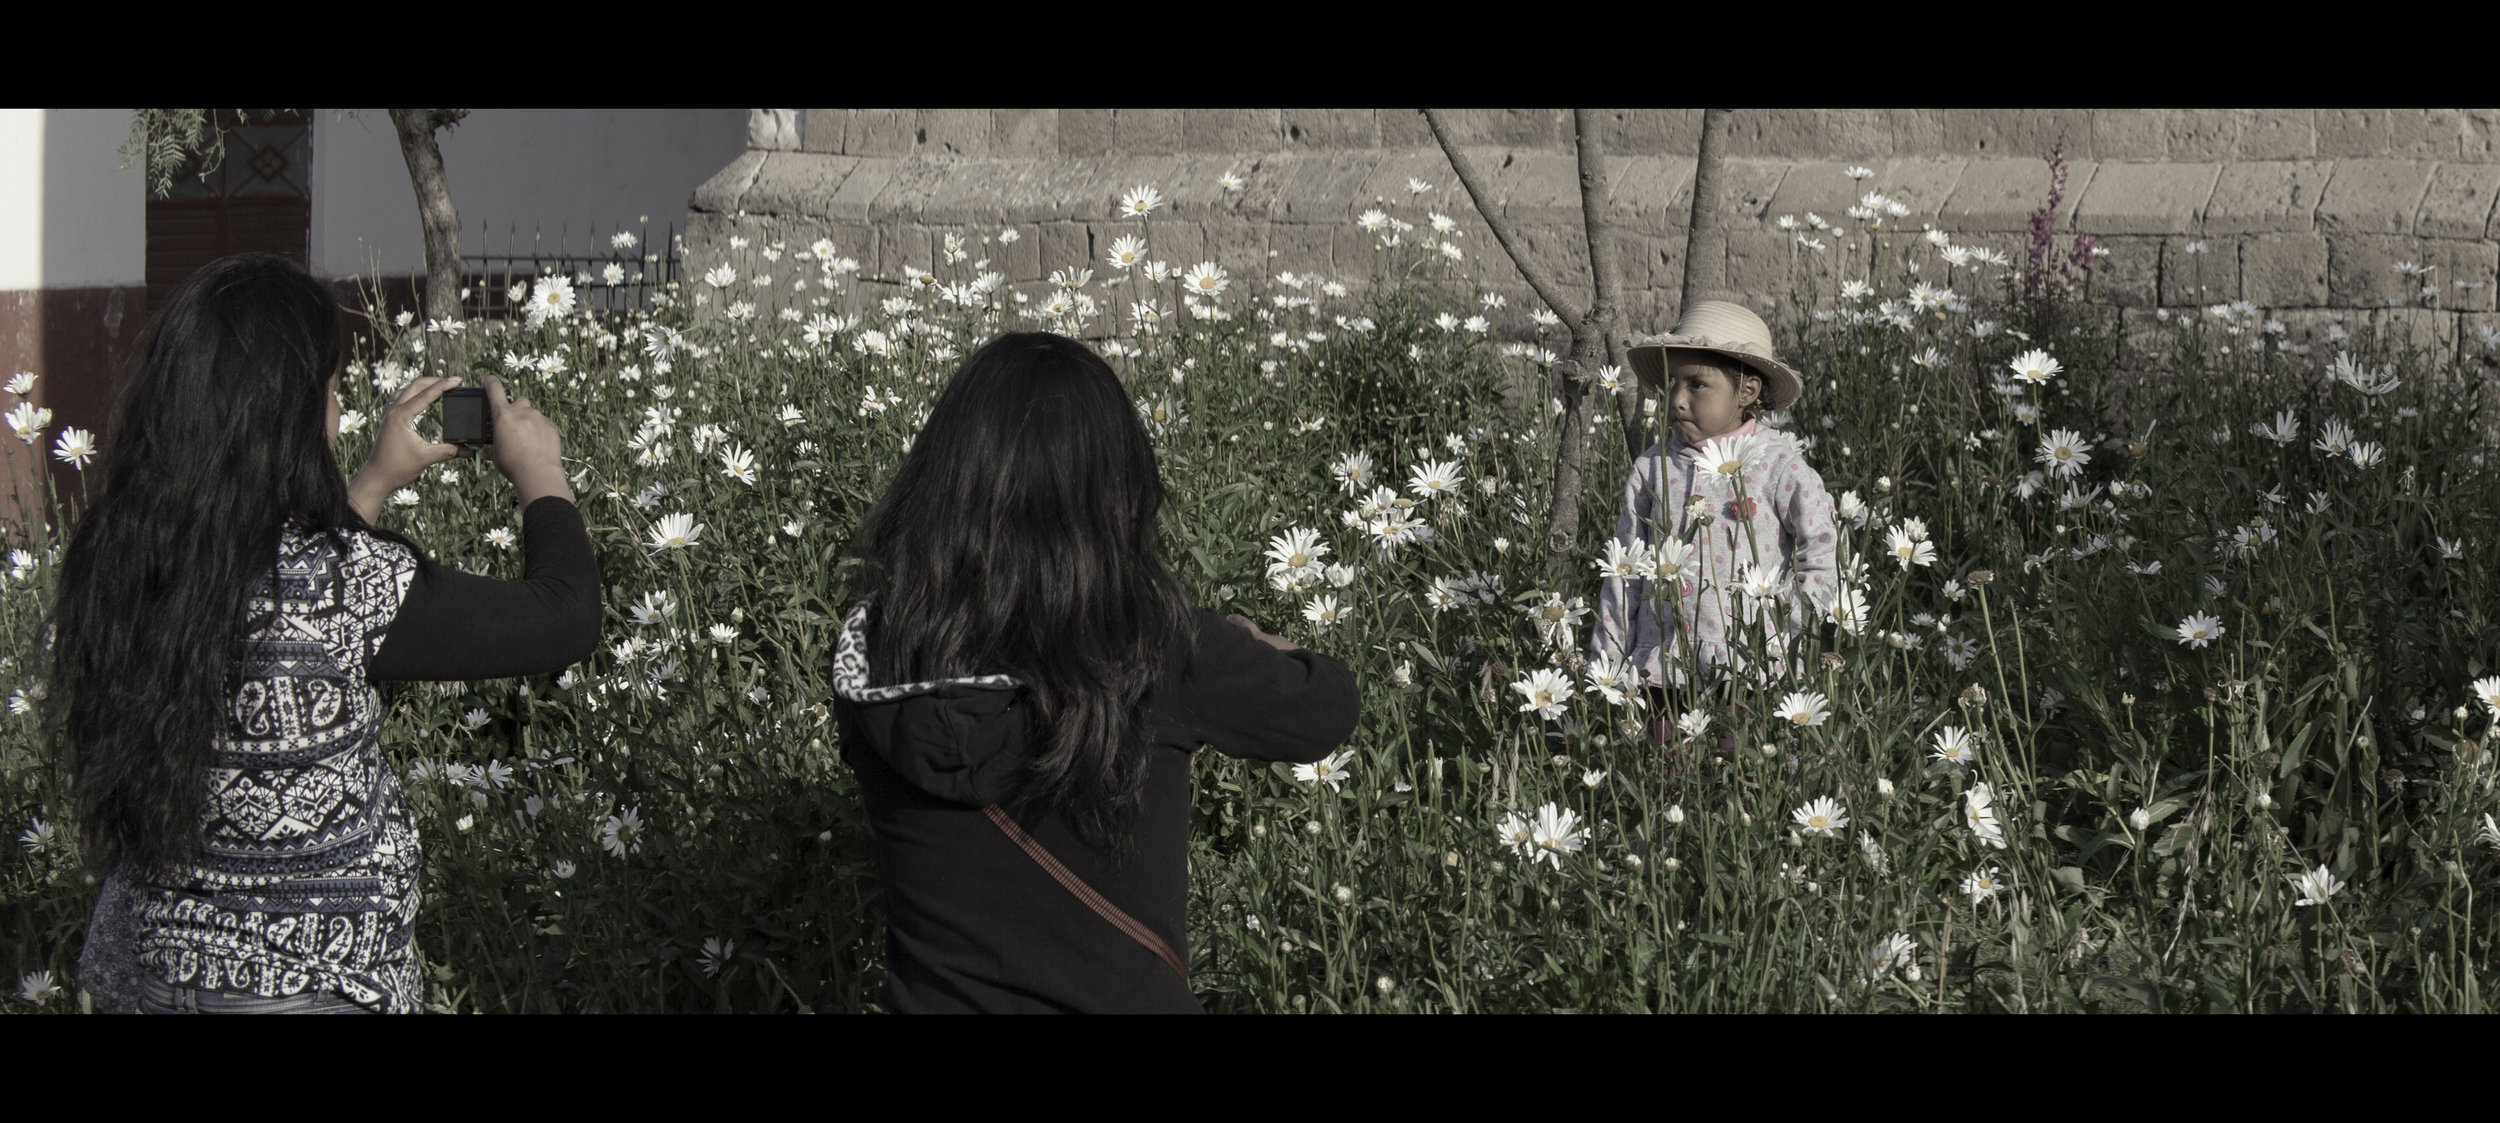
x: 1108, y: 911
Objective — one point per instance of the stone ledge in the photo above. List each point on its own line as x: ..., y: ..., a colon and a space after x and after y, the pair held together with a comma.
x: 2374, y: 196
x: 1799, y: 134
x: 2146, y: 198
x: 2291, y: 234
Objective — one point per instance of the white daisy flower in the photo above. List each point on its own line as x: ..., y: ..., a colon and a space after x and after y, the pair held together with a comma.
x: 2315, y: 886
x: 2036, y: 367
x: 2199, y: 630
x: 1545, y: 690
x: 1822, y: 816
x: 1140, y: 202
x: 622, y: 833
x: 1805, y: 708
x: 1330, y: 770
x: 1726, y: 458
x: 1953, y: 743
x: 675, y: 532
x: 1556, y: 833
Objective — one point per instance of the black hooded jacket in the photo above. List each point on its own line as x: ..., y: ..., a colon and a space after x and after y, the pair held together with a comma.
x: 973, y: 923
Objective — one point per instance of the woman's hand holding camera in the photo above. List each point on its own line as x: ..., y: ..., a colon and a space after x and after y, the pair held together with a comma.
x: 400, y: 453
x: 527, y: 449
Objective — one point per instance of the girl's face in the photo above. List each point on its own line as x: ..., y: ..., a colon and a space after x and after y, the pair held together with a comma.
x: 1705, y: 404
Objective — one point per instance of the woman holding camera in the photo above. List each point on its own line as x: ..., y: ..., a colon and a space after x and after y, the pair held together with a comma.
x: 226, y: 610
x: 1020, y: 687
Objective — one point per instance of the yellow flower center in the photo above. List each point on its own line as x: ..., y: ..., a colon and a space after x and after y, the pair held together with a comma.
x: 1544, y: 697
x: 1817, y: 821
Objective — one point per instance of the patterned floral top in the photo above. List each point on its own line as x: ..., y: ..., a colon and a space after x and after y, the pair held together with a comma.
x: 1787, y: 519
x: 308, y: 881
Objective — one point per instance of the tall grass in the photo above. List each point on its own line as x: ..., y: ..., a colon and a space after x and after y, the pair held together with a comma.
x: 2156, y: 799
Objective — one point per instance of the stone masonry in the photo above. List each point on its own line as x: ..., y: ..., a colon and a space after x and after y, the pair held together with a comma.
x: 2305, y: 213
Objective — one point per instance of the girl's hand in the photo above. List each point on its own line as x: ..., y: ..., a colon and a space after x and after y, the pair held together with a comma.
x: 399, y: 454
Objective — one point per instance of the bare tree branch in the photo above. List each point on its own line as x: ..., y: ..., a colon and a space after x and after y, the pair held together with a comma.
x: 1538, y: 279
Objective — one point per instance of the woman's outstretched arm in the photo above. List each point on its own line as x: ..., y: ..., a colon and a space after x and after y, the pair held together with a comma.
x: 456, y: 625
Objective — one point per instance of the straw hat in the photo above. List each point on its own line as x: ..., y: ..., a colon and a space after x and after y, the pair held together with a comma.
x: 1726, y: 329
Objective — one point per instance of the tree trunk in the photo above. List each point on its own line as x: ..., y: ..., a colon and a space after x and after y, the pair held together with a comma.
x: 1703, y: 232
x: 1592, y: 344
x: 1592, y: 328
x: 441, y: 222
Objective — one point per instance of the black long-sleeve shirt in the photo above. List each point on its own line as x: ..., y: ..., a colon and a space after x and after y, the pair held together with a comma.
x: 973, y: 923
x: 456, y: 625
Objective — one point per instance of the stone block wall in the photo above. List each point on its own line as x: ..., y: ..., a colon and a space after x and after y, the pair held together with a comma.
x: 2303, y: 212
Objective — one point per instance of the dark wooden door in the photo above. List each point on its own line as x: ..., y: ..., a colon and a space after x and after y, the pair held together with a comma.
x: 259, y: 198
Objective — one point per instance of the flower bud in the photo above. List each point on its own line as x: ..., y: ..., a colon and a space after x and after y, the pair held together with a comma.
x: 1675, y: 814
x: 2140, y: 819
x: 1883, y: 787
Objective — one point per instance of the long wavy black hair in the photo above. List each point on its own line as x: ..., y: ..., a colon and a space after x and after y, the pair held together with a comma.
x: 221, y: 439
x: 1020, y: 537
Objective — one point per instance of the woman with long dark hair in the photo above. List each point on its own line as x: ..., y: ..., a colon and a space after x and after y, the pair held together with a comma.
x: 226, y: 608
x: 1020, y: 685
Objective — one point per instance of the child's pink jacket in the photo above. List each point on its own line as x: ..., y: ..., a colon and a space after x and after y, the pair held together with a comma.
x: 1791, y: 521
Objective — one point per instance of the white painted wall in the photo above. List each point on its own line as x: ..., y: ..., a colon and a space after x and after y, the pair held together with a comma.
x: 507, y: 168
x: 68, y: 218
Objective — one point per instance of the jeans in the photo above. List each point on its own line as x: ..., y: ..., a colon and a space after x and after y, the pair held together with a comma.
x: 157, y: 996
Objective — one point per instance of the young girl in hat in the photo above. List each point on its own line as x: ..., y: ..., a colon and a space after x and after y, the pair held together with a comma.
x: 1730, y: 522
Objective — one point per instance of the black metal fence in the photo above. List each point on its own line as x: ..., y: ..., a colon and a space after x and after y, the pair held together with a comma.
x: 607, y: 276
